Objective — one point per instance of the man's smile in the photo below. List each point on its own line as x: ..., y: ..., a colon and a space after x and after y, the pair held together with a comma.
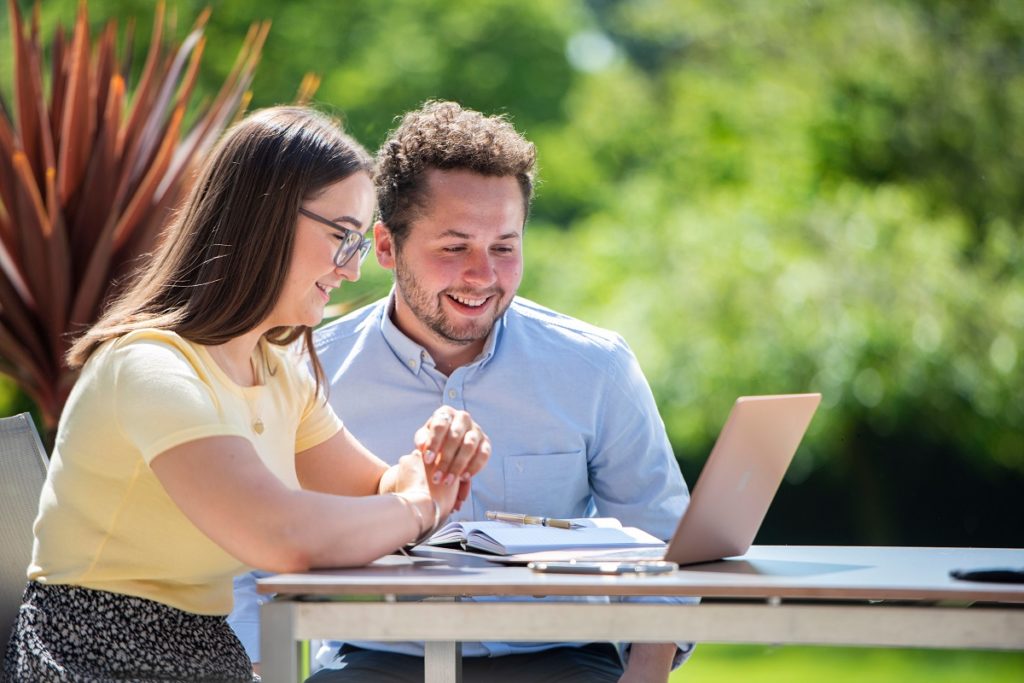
x: 472, y: 302
x: 472, y: 305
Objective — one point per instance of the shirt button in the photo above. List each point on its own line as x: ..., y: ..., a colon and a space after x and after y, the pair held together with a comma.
x: 452, y: 393
x: 412, y: 362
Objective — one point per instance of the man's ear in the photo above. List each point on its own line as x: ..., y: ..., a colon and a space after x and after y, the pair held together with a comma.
x: 384, y: 244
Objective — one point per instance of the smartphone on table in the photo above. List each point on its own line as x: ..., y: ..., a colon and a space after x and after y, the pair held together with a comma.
x: 577, y: 567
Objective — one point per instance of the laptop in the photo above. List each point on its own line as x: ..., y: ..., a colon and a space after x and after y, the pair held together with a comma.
x: 734, y: 490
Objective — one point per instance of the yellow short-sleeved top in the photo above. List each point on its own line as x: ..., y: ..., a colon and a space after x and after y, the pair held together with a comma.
x: 104, y: 521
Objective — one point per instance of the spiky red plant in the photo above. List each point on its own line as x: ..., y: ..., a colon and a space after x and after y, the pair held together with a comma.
x: 89, y: 173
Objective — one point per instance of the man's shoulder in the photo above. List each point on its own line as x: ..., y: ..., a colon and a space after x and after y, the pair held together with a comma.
x: 546, y: 326
x: 348, y: 326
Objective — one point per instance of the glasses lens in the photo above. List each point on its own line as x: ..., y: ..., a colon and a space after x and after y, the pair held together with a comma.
x: 353, y: 242
x: 364, y: 249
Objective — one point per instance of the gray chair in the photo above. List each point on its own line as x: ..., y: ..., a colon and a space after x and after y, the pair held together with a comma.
x: 22, y: 472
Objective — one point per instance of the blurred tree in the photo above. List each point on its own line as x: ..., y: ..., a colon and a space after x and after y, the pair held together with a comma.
x: 931, y: 95
x: 738, y: 243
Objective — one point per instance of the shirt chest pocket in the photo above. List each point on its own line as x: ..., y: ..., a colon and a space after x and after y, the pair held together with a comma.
x: 548, y: 484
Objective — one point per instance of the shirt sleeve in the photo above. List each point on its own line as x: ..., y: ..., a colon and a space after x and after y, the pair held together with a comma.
x: 633, y: 470
x: 150, y: 372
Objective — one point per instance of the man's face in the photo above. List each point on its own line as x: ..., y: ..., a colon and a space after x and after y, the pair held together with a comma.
x: 461, y: 262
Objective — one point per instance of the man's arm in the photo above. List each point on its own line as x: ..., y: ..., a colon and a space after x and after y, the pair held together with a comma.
x: 633, y: 471
x: 635, y: 477
x: 649, y: 662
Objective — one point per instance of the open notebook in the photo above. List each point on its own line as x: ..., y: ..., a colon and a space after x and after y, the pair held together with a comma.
x: 507, y: 538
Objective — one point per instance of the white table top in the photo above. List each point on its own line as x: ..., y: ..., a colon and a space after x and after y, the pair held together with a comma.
x: 812, y: 572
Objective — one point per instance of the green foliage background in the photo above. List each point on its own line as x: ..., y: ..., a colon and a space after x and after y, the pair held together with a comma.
x: 761, y: 197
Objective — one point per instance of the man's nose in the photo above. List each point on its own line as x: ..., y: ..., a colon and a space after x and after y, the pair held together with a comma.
x: 479, y: 268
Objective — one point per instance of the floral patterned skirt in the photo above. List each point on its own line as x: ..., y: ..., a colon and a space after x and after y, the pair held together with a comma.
x: 79, y: 635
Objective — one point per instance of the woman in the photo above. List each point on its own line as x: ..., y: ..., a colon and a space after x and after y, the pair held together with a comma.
x: 195, y: 443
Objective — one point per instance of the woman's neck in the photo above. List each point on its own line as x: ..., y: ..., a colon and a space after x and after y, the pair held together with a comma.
x: 236, y: 358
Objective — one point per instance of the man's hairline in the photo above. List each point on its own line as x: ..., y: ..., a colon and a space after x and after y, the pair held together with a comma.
x: 418, y: 208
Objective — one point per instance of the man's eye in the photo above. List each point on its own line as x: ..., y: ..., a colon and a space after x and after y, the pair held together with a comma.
x: 453, y: 249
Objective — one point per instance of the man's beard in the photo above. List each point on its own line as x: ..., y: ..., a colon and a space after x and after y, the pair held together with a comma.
x: 429, y: 309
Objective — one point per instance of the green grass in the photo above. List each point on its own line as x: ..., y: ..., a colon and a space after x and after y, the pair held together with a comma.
x: 799, y: 664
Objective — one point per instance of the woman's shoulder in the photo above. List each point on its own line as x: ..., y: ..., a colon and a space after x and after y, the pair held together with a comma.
x: 152, y: 335
x: 149, y: 365
x: 154, y: 343
x: 150, y: 353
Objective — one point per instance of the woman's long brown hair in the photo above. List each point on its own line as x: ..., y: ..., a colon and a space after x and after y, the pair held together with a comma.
x: 222, y: 262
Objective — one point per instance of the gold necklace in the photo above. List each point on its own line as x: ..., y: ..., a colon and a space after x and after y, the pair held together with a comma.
x: 258, y: 377
x: 223, y: 361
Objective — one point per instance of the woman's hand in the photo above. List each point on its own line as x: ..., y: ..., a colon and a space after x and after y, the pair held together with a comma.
x: 407, y: 476
x: 409, y: 479
x: 412, y: 481
x: 454, y: 449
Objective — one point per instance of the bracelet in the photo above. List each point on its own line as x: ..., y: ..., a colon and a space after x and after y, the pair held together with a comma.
x: 429, y: 531
x: 437, y: 522
x: 415, y: 510
x: 437, y: 517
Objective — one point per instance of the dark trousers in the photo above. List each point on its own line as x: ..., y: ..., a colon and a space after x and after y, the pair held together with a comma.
x: 593, y: 662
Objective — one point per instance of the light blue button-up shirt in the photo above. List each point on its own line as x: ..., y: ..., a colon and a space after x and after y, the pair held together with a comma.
x: 573, y: 425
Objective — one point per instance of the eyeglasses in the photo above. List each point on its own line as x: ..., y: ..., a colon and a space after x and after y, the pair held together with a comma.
x: 351, y: 240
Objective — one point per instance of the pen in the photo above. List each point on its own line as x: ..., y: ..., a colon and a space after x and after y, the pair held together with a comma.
x: 517, y: 518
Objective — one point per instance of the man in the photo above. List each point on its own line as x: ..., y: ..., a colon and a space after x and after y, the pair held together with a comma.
x: 572, y: 422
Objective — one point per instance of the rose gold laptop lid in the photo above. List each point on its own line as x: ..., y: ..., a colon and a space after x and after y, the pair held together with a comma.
x: 741, y: 476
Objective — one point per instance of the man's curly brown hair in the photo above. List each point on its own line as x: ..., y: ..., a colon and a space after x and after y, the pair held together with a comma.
x: 445, y: 136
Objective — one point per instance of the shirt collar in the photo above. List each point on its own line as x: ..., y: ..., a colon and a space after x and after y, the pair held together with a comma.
x: 413, y: 355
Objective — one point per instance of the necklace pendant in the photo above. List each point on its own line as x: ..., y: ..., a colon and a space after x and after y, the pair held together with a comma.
x: 257, y: 426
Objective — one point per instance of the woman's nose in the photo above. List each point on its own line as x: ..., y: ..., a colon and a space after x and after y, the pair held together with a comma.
x: 352, y: 270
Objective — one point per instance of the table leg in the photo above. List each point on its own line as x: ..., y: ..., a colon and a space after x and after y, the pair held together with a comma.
x: 278, y: 647
x: 442, y: 661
